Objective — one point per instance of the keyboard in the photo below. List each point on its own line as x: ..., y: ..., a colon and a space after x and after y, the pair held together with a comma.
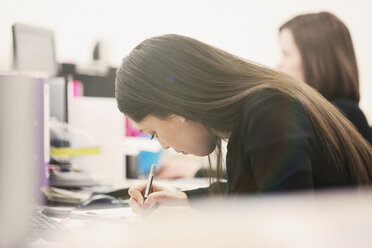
x: 44, y: 227
x: 41, y: 221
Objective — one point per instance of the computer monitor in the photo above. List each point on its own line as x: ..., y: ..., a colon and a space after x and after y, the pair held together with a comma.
x: 33, y: 49
x: 58, y: 98
x: 98, y: 85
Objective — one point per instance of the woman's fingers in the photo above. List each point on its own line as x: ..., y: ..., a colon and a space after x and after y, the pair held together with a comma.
x: 160, y: 196
x: 136, y: 194
x: 166, y: 197
x: 155, y: 187
x: 134, y: 205
x: 138, y: 191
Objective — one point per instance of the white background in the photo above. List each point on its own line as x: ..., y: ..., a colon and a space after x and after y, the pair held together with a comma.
x: 246, y: 28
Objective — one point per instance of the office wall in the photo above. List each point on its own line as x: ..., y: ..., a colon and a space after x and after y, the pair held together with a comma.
x: 246, y: 28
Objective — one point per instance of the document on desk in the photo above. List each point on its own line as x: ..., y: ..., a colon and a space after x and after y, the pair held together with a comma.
x: 116, y: 215
x: 85, y: 224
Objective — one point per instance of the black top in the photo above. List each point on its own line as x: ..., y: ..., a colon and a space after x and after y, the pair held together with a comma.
x: 355, y: 115
x: 275, y: 148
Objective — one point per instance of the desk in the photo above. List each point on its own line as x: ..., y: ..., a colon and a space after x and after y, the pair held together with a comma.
x: 80, y: 223
x: 340, y: 219
x: 81, y: 220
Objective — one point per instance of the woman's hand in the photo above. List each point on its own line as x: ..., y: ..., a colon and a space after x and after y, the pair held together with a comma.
x: 159, y: 196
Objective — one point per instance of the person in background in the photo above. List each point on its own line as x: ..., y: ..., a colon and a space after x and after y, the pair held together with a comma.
x: 317, y: 49
x: 283, y: 136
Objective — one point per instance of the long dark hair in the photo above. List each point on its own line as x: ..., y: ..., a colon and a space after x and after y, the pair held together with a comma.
x: 328, y: 57
x: 173, y: 74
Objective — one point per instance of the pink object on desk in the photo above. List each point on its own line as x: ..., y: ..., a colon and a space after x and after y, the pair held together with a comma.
x: 131, y: 130
x: 78, y: 88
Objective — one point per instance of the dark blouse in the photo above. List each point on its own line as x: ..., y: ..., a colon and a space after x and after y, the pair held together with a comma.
x: 355, y: 115
x: 275, y: 149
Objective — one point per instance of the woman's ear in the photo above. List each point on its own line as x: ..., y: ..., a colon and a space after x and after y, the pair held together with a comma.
x: 181, y: 118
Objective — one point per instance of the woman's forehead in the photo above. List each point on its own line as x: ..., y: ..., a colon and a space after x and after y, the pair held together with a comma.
x: 142, y: 125
x: 151, y: 122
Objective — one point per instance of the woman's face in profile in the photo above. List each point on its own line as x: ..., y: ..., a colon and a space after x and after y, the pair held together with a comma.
x: 291, y: 62
x: 184, y: 136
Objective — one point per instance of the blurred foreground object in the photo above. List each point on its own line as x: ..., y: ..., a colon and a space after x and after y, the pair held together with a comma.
x: 328, y: 219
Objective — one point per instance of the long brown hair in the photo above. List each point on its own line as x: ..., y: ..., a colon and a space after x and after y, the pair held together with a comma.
x: 173, y: 74
x: 328, y: 57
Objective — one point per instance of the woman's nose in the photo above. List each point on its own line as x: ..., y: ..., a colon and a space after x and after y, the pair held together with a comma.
x: 279, y: 66
x: 165, y: 147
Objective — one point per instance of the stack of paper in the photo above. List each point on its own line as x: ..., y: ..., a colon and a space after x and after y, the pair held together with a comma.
x: 65, y: 196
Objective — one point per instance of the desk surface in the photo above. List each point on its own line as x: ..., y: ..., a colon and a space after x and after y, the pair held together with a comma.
x: 331, y: 219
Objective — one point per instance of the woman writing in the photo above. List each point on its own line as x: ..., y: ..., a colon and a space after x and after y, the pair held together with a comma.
x: 282, y: 135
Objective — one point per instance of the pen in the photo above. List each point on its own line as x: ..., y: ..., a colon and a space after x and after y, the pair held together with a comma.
x: 149, y: 181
